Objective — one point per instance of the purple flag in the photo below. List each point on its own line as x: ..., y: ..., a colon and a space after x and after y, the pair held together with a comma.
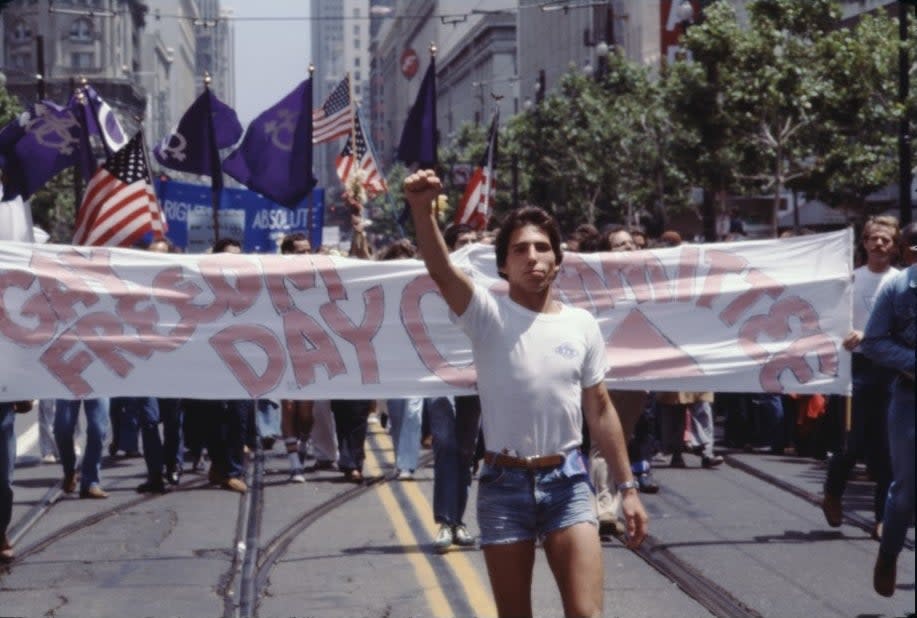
x: 275, y: 158
x: 38, y: 145
x: 193, y: 147
x: 103, y: 122
x: 418, y: 138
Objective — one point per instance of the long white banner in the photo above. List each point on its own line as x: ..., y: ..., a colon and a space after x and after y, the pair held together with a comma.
x: 86, y: 322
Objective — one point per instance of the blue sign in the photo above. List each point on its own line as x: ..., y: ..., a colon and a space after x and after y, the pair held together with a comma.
x: 252, y: 219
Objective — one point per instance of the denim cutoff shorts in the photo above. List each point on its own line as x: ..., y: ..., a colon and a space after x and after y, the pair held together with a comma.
x: 518, y: 505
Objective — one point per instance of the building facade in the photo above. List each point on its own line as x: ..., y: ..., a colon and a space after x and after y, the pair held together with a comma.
x: 49, y: 47
x: 340, y: 39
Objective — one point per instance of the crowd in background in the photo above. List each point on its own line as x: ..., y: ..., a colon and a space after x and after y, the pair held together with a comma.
x: 664, y: 428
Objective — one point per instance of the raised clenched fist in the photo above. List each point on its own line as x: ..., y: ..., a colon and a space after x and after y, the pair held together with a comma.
x: 421, y: 189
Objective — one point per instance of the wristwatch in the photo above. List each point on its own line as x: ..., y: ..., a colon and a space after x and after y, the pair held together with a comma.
x: 631, y: 484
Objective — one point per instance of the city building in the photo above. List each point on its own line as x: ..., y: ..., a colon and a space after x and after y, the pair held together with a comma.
x: 216, y: 56
x: 340, y: 39
x: 49, y: 46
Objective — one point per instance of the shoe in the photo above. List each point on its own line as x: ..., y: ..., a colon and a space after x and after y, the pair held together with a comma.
x: 70, y: 482
x: 234, y: 484
x: 353, y: 476
x: 373, y: 419
x: 462, y: 537
x: 197, y: 463
x: 677, y: 461
x: 112, y: 449
x: 94, y: 492
x: 153, y: 487
x: 646, y: 483
x: 6, y: 551
x: 322, y: 464
x: 876, y: 534
x: 884, y: 574
x: 267, y: 443
x: 444, y: 538
x: 405, y: 475
x: 834, y: 513
x: 296, y: 476
x: 50, y: 458
x: 173, y: 475
x: 426, y: 442
x: 711, y: 462
x: 133, y: 455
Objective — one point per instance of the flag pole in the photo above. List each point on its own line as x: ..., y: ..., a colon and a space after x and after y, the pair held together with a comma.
x: 311, y: 207
x: 436, y: 201
x: 77, y: 178
x: 214, y: 183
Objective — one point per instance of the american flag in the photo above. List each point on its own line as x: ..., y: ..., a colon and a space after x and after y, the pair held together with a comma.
x: 333, y: 118
x: 474, y: 209
x: 366, y: 169
x: 119, y: 205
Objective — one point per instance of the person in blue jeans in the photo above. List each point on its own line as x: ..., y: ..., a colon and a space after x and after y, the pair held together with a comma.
x: 454, y: 423
x: 146, y: 411
x: 405, y: 416
x: 8, y: 411
x: 65, y: 417
x: 890, y: 339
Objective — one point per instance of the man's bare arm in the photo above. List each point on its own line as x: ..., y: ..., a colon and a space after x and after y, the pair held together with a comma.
x: 421, y: 189
x: 605, y: 427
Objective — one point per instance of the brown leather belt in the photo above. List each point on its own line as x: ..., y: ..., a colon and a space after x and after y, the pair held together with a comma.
x: 526, y: 463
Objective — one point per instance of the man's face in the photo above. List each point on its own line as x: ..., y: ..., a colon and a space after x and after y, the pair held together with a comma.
x: 621, y: 241
x: 232, y: 249
x: 879, y: 242
x: 464, y: 239
x: 300, y: 247
x: 530, y: 261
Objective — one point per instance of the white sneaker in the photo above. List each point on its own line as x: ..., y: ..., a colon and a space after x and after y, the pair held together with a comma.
x: 462, y: 536
x: 50, y: 458
x: 405, y: 475
x: 443, y: 539
x: 297, y: 476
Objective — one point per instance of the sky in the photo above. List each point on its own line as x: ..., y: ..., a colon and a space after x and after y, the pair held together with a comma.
x: 272, y: 56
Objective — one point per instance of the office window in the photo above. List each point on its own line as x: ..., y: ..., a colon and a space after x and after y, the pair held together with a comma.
x: 356, y: 30
x: 356, y: 12
x: 22, y: 60
x: 356, y: 43
x: 356, y: 76
x: 356, y: 61
x: 81, y: 31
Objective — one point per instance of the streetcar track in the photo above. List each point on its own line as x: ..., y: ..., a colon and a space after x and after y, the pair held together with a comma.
x: 263, y: 560
x: 852, y: 519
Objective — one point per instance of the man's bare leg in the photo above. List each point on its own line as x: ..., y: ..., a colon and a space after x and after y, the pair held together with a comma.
x: 510, y: 569
x: 575, y: 557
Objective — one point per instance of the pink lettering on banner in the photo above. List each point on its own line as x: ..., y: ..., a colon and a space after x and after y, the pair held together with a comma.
x: 721, y: 264
x: 580, y: 285
x: 239, y: 297
x: 309, y: 346
x: 761, y: 285
x: 35, y: 307
x: 687, y: 274
x: 172, y: 287
x: 637, y: 349
x: 324, y: 266
x: 93, y: 265
x: 144, y: 320
x: 276, y: 276
x: 68, y: 368
x: 360, y: 337
x: 63, y: 288
x: 413, y: 319
x: 613, y: 266
x: 646, y: 276
x: 226, y: 343
x: 777, y: 326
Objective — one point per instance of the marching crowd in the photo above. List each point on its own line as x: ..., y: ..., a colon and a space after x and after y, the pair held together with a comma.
x: 659, y: 428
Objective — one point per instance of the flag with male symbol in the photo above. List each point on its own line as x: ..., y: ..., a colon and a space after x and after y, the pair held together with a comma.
x: 36, y: 146
x: 194, y: 146
x: 275, y: 158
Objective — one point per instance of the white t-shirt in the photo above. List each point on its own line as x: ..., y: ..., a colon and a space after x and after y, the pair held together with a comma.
x: 866, y: 286
x: 532, y: 368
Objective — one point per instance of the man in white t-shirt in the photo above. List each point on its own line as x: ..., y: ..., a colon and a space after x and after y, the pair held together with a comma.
x: 540, y: 367
x: 867, y: 437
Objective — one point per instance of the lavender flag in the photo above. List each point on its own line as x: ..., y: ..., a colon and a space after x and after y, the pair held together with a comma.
x: 34, y: 148
x: 275, y: 158
x: 208, y: 125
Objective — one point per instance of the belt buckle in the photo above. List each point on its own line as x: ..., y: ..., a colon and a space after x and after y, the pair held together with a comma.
x: 530, y: 462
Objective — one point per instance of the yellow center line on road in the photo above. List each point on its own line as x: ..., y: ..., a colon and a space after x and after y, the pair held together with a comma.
x: 477, y: 593
x: 439, y: 605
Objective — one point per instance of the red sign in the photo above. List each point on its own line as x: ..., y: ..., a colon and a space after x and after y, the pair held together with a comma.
x: 409, y: 63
